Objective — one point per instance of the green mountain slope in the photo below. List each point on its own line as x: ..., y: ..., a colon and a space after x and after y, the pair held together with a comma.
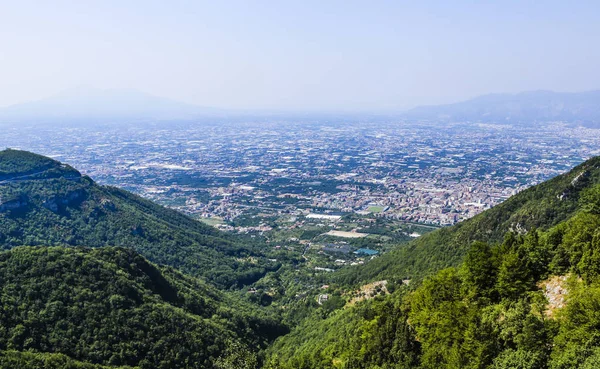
x: 112, y: 307
x: 44, y: 202
x: 541, y: 206
x: 17, y: 165
x: 372, y: 334
x: 531, y: 301
x: 31, y: 360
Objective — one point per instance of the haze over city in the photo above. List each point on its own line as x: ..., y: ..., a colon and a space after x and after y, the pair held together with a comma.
x: 299, y: 56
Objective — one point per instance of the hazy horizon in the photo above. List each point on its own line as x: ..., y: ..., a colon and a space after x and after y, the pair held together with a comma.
x: 309, y: 56
x: 87, y: 90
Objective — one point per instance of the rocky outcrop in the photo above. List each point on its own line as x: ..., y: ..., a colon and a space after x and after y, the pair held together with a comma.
x: 14, y: 204
x: 54, y: 204
x: 555, y: 291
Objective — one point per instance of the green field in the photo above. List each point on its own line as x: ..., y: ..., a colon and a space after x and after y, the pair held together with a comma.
x: 212, y: 221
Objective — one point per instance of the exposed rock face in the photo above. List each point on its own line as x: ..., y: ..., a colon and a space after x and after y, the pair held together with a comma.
x: 577, y: 180
x: 517, y: 228
x: 55, y: 203
x: 369, y: 291
x: 107, y: 204
x: 14, y: 204
x: 555, y: 291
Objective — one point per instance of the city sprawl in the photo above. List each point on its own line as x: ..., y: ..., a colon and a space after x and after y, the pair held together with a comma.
x: 413, y: 173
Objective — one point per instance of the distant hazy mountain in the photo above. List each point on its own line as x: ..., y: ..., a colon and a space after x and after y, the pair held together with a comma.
x: 86, y: 104
x: 91, y: 104
x: 525, y: 107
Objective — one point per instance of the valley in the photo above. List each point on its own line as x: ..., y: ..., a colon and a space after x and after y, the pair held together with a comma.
x: 344, y: 291
x: 299, y: 184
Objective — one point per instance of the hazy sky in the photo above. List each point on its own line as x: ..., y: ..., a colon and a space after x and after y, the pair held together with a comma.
x: 301, y: 55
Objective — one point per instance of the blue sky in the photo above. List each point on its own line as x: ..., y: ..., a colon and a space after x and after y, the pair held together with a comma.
x: 299, y: 55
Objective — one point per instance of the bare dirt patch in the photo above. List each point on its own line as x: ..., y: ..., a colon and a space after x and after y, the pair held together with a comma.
x: 369, y: 291
x: 555, y: 291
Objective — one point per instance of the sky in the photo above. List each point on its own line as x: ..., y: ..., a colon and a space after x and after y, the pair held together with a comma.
x: 323, y: 55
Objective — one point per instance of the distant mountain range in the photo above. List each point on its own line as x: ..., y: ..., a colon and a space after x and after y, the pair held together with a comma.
x: 86, y: 104
x: 525, y: 107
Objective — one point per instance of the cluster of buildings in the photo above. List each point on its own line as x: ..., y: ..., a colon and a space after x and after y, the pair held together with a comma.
x: 415, y: 173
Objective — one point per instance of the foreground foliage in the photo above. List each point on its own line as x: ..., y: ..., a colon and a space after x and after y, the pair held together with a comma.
x: 110, y: 306
x: 31, y: 360
x: 373, y: 334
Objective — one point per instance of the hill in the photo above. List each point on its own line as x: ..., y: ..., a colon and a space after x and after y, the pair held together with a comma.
x: 15, y: 165
x: 87, y: 104
x: 522, y: 108
x: 30, y: 360
x: 111, y: 307
x: 531, y: 300
x: 541, y: 206
x: 44, y: 202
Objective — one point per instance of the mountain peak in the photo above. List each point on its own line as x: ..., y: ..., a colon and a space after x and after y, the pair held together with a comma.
x: 85, y: 103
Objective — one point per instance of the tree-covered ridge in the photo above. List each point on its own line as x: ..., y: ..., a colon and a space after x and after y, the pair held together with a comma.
x: 33, y: 360
x: 73, y: 210
x: 494, y: 312
x: 371, y: 334
x: 16, y: 164
x: 110, y: 306
x: 541, y: 206
x: 530, y: 301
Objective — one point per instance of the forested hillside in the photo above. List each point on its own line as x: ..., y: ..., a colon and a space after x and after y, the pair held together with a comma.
x: 541, y: 206
x: 30, y: 360
x: 112, y: 307
x: 44, y: 202
x: 18, y: 165
x: 531, y: 300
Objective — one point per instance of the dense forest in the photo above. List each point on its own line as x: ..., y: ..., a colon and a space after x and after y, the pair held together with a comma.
x: 111, y: 306
x: 47, y: 203
x: 30, y: 360
x: 16, y: 164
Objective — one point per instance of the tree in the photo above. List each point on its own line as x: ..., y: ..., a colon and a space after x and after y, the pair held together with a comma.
x: 480, y: 271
